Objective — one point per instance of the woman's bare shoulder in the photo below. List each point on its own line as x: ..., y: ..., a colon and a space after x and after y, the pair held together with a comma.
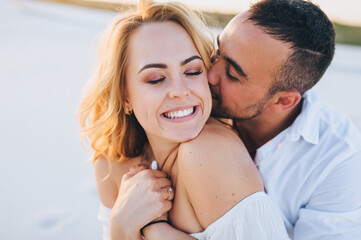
x: 216, y: 148
x: 214, y: 136
x: 216, y: 171
x: 108, y: 176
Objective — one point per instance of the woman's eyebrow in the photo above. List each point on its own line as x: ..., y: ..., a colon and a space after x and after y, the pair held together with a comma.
x: 153, y: 65
x: 190, y: 59
x: 161, y: 65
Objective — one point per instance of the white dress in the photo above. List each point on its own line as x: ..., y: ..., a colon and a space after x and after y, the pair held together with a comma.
x: 254, y: 218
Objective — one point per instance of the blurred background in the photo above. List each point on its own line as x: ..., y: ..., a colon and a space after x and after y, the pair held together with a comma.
x: 47, y: 53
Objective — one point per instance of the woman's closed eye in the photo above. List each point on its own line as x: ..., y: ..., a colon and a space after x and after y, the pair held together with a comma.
x: 156, y: 80
x: 194, y: 72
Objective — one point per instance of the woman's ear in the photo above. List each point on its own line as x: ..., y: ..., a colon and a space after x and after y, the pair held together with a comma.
x: 285, y: 100
x: 127, y: 107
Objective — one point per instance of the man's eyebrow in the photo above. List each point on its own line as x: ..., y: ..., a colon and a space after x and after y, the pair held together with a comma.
x: 190, y: 59
x: 236, y: 67
x: 153, y: 65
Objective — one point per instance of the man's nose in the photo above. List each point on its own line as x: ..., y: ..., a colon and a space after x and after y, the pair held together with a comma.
x: 213, y: 74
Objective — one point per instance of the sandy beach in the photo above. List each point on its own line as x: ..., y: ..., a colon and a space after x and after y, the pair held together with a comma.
x: 47, y: 54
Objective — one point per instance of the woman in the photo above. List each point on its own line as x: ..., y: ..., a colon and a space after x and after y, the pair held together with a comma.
x: 151, y: 100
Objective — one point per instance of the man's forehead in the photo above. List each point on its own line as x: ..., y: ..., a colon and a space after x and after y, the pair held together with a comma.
x: 238, y: 30
x: 236, y: 21
x: 241, y: 31
x: 236, y: 25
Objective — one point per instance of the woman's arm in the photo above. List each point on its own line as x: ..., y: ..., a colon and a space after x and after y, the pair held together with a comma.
x: 164, y: 231
x: 142, y: 197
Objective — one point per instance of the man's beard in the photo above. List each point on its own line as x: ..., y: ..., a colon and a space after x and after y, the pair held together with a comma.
x: 250, y: 112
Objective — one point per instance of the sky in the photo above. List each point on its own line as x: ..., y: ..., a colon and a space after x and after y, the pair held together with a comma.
x: 343, y: 11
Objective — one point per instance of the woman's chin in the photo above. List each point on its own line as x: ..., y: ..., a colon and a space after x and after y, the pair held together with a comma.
x: 187, y: 135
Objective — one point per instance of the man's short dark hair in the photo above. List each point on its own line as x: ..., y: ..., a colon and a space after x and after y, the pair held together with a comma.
x: 310, y: 33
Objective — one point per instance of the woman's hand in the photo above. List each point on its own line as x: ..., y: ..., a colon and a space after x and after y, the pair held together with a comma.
x: 143, y: 196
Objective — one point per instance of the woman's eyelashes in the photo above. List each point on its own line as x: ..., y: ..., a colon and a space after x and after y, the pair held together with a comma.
x: 194, y: 70
x: 193, y: 73
x: 157, y: 80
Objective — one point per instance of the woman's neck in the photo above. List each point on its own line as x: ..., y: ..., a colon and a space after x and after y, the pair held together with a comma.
x: 165, y: 152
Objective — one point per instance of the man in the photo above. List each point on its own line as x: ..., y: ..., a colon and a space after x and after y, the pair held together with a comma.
x: 308, y: 153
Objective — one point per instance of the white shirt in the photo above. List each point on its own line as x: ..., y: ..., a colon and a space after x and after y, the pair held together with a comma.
x: 254, y: 218
x: 312, y: 171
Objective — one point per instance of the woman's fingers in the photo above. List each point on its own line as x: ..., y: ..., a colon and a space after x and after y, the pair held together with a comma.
x: 149, y: 189
x: 152, y: 180
x: 138, y: 168
x: 160, y: 182
x: 133, y: 171
x: 168, y: 193
x: 157, y: 173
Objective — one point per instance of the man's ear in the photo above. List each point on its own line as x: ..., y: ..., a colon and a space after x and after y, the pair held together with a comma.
x: 285, y: 100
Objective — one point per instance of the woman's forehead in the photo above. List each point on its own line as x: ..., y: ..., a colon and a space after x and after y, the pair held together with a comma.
x: 160, y: 42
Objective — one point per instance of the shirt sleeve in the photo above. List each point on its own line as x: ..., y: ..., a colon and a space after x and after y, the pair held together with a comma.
x: 334, y: 210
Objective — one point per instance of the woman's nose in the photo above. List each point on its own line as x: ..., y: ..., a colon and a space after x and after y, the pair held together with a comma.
x: 179, y: 90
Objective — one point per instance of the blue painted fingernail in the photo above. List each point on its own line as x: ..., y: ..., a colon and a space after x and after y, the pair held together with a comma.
x: 154, y: 165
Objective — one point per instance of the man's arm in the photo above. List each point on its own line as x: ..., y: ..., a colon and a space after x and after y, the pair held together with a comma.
x: 334, y: 210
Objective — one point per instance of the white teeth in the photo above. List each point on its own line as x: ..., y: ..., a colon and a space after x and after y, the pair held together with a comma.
x: 179, y: 114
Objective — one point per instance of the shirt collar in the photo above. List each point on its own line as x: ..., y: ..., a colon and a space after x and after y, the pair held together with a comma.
x: 307, y: 122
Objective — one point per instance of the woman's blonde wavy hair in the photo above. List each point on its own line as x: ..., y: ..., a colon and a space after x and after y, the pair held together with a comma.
x: 113, y: 134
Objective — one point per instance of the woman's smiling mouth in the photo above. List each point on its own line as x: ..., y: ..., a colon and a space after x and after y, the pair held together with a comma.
x: 180, y: 113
